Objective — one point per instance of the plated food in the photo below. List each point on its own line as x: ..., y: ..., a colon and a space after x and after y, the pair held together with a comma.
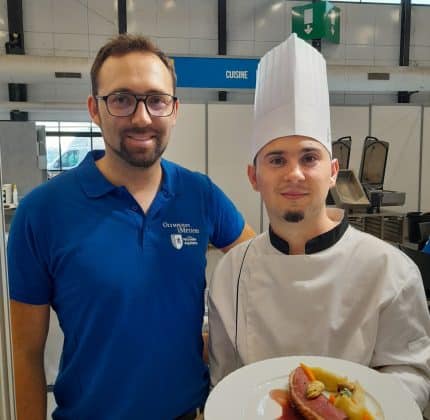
x: 317, y: 394
x: 245, y: 393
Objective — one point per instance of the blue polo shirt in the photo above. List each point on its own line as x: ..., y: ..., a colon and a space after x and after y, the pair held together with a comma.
x: 426, y: 248
x: 127, y: 287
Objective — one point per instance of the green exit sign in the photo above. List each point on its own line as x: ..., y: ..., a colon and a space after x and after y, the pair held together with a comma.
x: 317, y: 20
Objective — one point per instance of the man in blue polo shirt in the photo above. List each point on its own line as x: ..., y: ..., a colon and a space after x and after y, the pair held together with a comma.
x: 117, y: 248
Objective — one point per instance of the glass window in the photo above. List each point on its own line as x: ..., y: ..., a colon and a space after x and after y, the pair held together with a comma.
x: 98, y: 143
x: 52, y: 150
x: 67, y: 143
x: 75, y: 126
x: 49, y: 125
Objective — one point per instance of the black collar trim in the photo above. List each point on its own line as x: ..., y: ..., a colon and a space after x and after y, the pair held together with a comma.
x: 314, y: 245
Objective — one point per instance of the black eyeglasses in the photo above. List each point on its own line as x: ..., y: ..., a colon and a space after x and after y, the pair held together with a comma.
x: 124, y: 104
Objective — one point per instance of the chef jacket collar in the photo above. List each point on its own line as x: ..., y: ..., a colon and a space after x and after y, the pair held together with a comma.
x: 314, y: 245
x: 96, y: 185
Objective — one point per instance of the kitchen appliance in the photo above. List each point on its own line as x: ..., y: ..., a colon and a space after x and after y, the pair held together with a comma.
x: 341, y: 150
x: 372, y: 174
x: 348, y: 192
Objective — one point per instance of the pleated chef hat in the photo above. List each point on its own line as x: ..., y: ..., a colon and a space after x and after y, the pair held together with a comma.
x: 291, y: 95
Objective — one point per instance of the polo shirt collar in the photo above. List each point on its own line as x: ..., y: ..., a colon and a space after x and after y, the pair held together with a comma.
x: 314, y: 245
x: 170, y: 183
x: 91, y: 179
x: 96, y: 185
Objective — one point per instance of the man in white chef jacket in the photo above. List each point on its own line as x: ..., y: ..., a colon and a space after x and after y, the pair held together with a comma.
x: 312, y: 284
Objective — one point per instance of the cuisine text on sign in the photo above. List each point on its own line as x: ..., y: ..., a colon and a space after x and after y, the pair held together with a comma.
x: 236, y: 74
x: 221, y: 73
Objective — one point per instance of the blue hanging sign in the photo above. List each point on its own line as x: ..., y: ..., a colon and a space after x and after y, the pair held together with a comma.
x: 216, y: 72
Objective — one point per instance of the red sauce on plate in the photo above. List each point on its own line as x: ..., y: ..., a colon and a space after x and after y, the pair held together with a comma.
x: 282, y: 398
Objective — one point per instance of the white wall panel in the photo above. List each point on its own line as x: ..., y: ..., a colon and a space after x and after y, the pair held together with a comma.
x: 420, y: 18
x: 229, y: 133
x: 96, y: 42
x: 74, y: 92
x: 197, y: 96
x: 73, y: 45
x: 203, y: 47
x: 359, y: 54
x: 261, y: 48
x: 270, y: 21
x: 38, y: 92
x: 142, y: 17
x: 4, y: 92
x: 187, y: 145
x: 400, y: 126
x: 240, y: 48
x: 173, y: 45
x: 203, y: 19
x: 425, y: 174
x: 420, y: 55
x: 359, y: 21
x: 38, y: 15
x: 387, y: 55
x: 3, y: 15
x: 387, y: 24
x: 70, y: 17
x: 173, y: 18
x: 333, y: 53
x: 35, y: 41
x: 240, y: 22
x: 4, y: 37
x: 351, y: 121
x: 102, y: 17
x: 73, y: 116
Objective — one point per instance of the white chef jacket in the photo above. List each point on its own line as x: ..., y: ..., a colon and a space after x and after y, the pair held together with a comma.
x: 357, y: 298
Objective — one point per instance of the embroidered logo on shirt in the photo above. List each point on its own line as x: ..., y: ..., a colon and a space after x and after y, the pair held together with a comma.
x: 177, y: 241
x: 183, y: 236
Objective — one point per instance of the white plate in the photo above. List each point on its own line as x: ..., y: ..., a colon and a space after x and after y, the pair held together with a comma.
x: 244, y: 394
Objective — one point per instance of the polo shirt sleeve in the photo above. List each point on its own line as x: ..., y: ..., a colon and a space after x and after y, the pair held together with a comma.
x: 29, y: 281
x: 226, y: 221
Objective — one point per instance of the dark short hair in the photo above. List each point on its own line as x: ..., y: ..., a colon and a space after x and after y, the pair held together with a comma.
x: 122, y: 45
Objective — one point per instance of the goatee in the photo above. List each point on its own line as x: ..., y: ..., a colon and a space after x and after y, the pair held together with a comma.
x: 294, y: 216
x: 140, y: 160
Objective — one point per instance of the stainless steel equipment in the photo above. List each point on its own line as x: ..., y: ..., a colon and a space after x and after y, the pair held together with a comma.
x: 348, y: 192
x: 388, y: 226
x: 341, y: 150
x: 372, y: 174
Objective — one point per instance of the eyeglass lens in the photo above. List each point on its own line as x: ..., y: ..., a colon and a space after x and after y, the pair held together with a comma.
x: 124, y: 104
